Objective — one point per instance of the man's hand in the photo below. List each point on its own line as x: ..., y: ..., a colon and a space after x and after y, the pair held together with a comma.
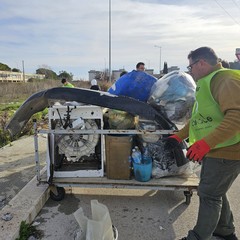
x: 198, y: 150
x: 172, y: 141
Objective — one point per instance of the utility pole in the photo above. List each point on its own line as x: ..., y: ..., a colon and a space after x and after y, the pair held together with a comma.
x: 23, y: 71
x: 109, y: 41
x: 160, y: 57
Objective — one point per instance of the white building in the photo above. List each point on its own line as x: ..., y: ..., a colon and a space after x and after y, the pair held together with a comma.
x: 8, y: 76
x: 99, y: 75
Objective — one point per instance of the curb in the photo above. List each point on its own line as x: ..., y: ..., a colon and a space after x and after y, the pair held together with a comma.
x: 23, y: 207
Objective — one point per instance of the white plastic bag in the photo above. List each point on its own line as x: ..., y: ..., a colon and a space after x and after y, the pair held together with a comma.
x: 97, y: 228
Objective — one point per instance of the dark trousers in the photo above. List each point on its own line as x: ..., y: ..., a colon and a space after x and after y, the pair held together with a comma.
x: 215, y: 215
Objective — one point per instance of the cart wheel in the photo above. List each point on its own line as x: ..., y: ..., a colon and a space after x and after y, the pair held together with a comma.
x: 59, y: 195
x: 188, y: 195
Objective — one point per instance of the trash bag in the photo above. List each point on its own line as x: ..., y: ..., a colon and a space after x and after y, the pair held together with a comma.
x: 116, y: 119
x: 135, y: 84
x: 168, y: 162
x: 174, y: 95
x: 148, y: 125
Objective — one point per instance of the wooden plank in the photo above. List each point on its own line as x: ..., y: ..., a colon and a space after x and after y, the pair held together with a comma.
x: 191, y: 181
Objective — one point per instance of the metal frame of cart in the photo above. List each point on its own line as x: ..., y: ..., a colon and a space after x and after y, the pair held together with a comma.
x: 176, y: 183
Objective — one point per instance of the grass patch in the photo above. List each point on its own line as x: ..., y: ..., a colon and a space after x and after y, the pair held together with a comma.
x: 12, y: 95
x: 27, y: 230
x: 10, y: 106
x: 7, y: 111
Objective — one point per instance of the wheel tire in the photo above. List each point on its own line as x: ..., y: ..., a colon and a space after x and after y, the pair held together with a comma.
x: 188, y: 195
x: 60, y: 194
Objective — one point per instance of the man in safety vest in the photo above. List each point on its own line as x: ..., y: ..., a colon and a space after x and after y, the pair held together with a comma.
x: 67, y: 84
x: 214, y: 139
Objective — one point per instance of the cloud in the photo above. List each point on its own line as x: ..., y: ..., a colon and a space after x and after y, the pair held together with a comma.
x: 73, y: 35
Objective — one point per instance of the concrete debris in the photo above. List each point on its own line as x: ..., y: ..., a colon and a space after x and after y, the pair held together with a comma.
x: 7, y: 216
x: 2, y: 198
x: 2, y: 201
x: 78, y: 235
x: 35, y: 224
x: 161, y: 228
x: 32, y: 238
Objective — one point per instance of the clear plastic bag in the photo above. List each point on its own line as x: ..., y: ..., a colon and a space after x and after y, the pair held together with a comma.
x: 174, y: 96
x: 165, y: 161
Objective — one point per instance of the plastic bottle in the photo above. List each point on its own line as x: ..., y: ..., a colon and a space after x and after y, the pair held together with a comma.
x: 139, y: 153
x: 136, y: 157
x: 146, y: 155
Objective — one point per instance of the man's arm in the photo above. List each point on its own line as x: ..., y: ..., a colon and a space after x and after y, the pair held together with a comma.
x: 184, y: 132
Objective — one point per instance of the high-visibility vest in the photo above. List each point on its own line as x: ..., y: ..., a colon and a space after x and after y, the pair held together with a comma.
x: 69, y: 85
x: 206, y: 113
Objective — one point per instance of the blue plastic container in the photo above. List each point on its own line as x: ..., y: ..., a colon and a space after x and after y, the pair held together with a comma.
x: 143, y: 171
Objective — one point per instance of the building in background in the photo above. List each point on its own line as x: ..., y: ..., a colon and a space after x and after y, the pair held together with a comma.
x: 104, y: 75
x: 173, y: 68
x: 8, y: 76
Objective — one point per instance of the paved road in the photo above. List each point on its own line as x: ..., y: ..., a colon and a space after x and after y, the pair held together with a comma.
x: 17, y: 165
x: 137, y: 214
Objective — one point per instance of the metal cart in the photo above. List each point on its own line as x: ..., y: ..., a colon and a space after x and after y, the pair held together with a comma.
x: 95, y: 178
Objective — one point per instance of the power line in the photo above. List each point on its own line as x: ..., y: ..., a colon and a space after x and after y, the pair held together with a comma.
x: 227, y: 13
x: 236, y: 4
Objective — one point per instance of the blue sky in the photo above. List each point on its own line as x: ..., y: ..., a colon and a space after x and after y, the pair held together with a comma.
x: 73, y: 35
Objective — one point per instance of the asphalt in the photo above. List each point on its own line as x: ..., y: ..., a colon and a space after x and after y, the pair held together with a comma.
x: 137, y: 214
x: 20, y: 197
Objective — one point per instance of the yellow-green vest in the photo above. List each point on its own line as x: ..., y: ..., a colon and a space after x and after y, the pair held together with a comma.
x: 206, y: 113
x: 69, y: 85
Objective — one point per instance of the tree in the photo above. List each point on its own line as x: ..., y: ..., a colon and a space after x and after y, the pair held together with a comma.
x: 64, y: 74
x: 165, y: 68
x: 49, y: 74
x: 4, y: 67
x: 16, y: 70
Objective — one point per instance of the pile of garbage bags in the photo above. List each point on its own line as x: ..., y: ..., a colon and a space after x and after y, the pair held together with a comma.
x: 173, y: 96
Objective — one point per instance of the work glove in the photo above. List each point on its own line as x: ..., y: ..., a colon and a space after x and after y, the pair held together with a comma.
x: 172, y: 142
x: 198, y: 150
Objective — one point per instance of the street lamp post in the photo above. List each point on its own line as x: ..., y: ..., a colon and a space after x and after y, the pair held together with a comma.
x: 160, y: 57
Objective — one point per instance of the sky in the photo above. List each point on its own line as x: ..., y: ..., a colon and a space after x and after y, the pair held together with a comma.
x: 73, y: 35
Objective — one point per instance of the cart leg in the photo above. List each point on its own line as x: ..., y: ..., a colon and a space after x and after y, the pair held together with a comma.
x: 188, y: 195
x: 57, y: 193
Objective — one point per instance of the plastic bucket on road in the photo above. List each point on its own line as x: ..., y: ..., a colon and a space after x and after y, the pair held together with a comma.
x: 143, y: 171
